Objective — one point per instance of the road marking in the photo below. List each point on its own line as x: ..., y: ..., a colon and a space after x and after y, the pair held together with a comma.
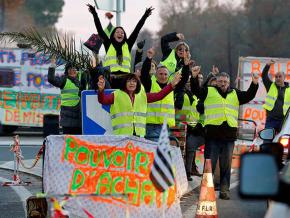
x: 22, y: 192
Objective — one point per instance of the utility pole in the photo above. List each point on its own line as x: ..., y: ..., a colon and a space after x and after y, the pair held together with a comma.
x: 118, y: 13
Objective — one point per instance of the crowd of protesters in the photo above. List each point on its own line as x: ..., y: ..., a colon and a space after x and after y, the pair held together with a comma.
x: 149, y: 93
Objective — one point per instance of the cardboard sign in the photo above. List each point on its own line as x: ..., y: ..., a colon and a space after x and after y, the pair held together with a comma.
x: 25, y: 93
x: 249, y: 65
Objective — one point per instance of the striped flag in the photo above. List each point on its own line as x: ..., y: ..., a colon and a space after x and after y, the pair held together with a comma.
x: 161, y: 171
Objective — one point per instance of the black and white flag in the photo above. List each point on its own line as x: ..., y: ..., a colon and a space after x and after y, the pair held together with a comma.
x: 161, y: 171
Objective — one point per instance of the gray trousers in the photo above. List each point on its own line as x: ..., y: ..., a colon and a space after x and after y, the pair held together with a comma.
x: 192, y: 144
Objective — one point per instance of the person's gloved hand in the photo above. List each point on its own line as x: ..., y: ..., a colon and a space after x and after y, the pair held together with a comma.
x: 92, y: 9
x: 148, y: 11
x: 141, y: 44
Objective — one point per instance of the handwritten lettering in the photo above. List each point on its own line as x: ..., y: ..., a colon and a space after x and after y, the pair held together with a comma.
x: 110, y: 170
x: 20, y: 117
x: 25, y: 100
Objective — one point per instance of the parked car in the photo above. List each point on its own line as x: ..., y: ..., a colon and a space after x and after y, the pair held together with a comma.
x: 266, y: 174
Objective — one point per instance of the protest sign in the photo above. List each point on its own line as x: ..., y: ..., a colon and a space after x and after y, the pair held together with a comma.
x: 117, y: 169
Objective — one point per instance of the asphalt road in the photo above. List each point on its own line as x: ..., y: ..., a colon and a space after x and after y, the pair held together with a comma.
x: 12, y: 199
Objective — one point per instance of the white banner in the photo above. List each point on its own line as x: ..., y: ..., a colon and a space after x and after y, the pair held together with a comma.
x: 116, y: 168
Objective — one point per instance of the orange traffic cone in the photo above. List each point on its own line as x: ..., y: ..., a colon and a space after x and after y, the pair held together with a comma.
x: 207, y: 202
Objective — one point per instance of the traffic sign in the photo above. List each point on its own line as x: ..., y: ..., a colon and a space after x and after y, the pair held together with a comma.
x: 111, y: 5
x: 96, y: 119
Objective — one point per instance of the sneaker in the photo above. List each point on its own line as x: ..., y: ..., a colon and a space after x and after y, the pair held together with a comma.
x: 195, y: 172
x: 224, y: 196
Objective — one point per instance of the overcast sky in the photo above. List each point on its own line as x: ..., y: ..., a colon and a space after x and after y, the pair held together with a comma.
x: 77, y: 20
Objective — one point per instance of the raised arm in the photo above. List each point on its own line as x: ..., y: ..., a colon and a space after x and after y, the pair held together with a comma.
x: 145, y: 70
x: 139, y: 53
x: 200, y: 92
x: 166, y: 39
x: 99, y: 27
x: 265, y: 77
x: 102, y: 97
x: 213, y: 73
x: 52, y: 78
x: 246, y: 96
x: 133, y: 37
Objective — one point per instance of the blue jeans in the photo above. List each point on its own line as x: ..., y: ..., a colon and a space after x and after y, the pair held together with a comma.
x: 223, y: 150
x: 153, y: 132
x: 274, y: 123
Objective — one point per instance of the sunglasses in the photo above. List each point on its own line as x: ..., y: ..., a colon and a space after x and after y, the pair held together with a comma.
x: 182, y: 49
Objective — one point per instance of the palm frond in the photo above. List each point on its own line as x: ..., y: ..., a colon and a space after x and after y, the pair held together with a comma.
x: 51, y: 44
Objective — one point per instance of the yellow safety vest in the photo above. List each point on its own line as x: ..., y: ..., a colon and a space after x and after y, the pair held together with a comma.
x: 189, y: 110
x: 158, y: 111
x: 70, y: 93
x: 218, y: 109
x: 111, y: 59
x: 170, y: 62
x: 286, y: 104
x: 127, y: 117
x: 272, y: 97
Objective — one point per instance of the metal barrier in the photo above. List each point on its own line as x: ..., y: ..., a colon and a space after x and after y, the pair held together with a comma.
x: 247, y: 129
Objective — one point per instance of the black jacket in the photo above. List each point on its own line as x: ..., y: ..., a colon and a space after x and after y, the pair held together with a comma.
x: 224, y: 131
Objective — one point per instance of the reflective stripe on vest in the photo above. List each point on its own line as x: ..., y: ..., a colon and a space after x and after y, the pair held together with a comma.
x: 272, y: 96
x: 127, y: 117
x: 218, y: 109
x: 160, y: 110
x: 286, y: 104
x: 192, y: 116
x: 70, y: 93
x: 111, y: 59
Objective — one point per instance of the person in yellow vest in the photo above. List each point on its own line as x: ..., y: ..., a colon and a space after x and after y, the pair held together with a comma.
x: 162, y: 110
x: 277, y: 100
x: 194, y: 134
x: 71, y: 84
x: 173, y: 59
x: 221, y: 110
x: 118, y: 46
x: 129, y: 104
